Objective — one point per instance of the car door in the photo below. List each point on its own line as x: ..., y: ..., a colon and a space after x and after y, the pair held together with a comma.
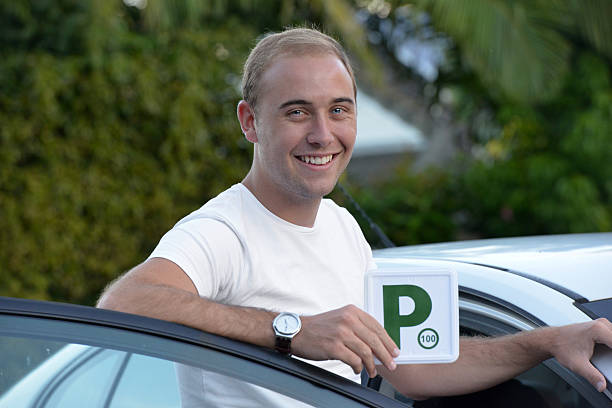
x: 66, y: 356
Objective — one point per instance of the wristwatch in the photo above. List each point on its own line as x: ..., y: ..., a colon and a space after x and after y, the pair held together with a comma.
x: 286, y: 326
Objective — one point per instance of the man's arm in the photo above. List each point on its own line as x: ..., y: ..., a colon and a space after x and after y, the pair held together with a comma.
x: 159, y: 288
x: 485, y: 362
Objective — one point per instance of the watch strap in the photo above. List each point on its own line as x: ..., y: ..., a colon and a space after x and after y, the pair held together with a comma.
x: 282, y: 344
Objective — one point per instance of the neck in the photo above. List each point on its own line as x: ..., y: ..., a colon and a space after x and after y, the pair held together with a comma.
x: 296, y: 210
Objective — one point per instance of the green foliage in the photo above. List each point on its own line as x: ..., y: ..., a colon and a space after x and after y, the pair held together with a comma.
x: 110, y: 132
x: 409, y: 208
x: 591, y: 20
x: 115, y: 122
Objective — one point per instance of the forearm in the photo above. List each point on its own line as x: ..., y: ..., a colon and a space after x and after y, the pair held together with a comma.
x: 137, y: 296
x: 482, y: 363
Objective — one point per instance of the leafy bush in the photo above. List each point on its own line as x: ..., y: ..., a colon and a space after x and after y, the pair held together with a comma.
x: 109, y: 135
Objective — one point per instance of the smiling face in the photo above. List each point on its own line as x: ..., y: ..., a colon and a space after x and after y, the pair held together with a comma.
x: 304, y: 128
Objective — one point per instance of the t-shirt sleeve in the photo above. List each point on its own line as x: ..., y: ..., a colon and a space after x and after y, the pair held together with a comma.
x: 208, y: 251
x: 365, y: 249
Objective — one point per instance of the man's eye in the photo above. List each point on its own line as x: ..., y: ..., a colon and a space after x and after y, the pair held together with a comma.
x: 296, y: 112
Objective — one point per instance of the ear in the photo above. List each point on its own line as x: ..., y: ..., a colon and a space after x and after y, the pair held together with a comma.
x: 246, y: 117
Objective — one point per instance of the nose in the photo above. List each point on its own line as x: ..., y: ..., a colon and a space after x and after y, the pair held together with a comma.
x: 320, y: 133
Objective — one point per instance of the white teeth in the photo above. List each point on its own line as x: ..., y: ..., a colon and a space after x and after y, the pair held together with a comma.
x: 316, y: 159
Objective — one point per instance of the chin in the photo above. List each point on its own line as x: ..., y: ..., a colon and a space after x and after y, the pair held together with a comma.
x: 310, y: 189
x: 322, y: 190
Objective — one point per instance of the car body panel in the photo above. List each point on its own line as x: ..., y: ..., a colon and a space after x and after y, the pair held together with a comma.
x: 524, y: 294
x: 581, y: 263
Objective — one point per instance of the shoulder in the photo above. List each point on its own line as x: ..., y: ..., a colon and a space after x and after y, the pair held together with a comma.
x: 212, y: 229
x: 230, y: 208
x: 222, y: 207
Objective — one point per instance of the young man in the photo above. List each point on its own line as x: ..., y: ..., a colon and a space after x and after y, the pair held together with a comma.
x: 271, y: 244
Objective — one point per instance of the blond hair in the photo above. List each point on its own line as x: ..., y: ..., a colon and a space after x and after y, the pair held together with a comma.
x: 292, y: 42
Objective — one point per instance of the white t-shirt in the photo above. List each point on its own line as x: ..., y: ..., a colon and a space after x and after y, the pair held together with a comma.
x: 237, y: 252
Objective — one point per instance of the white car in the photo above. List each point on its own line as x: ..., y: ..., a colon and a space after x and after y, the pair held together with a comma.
x: 512, y: 284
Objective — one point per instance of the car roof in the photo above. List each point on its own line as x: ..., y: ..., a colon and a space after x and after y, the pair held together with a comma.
x: 578, y: 262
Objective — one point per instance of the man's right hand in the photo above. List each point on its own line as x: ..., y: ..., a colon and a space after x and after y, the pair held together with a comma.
x: 348, y: 334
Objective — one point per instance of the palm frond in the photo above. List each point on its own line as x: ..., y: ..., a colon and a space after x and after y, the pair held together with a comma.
x: 503, y: 41
x: 594, y: 23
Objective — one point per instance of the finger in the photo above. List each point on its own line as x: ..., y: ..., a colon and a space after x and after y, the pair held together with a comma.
x: 346, y: 355
x: 376, y: 347
x: 603, y: 328
x: 381, y: 333
x: 364, y: 353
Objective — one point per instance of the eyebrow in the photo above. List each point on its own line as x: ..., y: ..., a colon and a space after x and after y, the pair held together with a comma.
x: 344, y: 99
x: 305, y: 102
x: 294, y: 102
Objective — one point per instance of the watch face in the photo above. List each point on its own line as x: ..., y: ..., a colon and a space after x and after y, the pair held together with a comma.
x: 287, y: 324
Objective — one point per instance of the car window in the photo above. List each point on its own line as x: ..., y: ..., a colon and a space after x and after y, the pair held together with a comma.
x: 552, y: 389
x: 539, y: 387
x: 118, y: 368
x: 86, y: 385
x: 548, y: 383
x: 97, y: 377
x: 19, y: 357
x: 148, y: 382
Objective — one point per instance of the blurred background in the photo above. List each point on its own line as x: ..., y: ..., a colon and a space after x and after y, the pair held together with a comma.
x: 477, y: 118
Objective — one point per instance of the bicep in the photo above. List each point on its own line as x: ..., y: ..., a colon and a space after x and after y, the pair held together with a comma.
x: 139, y: 282
x: 161, y: 271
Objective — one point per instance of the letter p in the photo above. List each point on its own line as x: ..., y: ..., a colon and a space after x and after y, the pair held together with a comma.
x: 394, y: 320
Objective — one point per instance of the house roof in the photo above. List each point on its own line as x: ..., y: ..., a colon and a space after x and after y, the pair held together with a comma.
x: 381, y: 131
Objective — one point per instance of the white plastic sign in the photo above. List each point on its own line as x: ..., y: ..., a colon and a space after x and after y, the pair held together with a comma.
x: 419, y: 308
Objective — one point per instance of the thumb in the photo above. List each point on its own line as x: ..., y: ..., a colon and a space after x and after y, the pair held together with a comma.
x: 593, y: 376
